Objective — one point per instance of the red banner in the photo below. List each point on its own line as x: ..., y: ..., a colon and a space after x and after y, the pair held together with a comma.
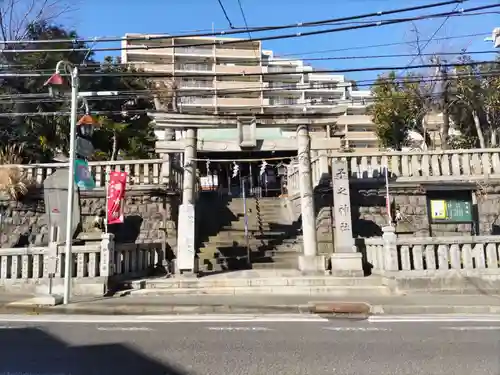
x: 116, y: 197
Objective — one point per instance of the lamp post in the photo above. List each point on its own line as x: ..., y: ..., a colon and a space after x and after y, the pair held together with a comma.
x: 55, y: 83
x: 495, y: 37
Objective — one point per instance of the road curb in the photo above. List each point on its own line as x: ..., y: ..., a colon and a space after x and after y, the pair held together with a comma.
x: 328, y: 309
x: 154, y: 309
x: 433, y: 309
x: 341, y: 310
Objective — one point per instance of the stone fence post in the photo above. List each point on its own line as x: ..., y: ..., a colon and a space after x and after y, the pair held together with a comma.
x: 390, y: 248
x: 107, y: 254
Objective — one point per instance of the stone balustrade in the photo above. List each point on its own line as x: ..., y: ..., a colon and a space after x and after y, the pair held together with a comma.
x: 423, y: 256
x: 94, y: 265
x: 131, y: 259
x: 415, y: 166
x: 140, y: 172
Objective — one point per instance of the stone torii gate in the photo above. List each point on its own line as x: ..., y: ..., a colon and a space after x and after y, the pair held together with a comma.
x: 309, y: 262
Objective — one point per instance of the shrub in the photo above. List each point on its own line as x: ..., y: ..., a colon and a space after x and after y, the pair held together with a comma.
x: 13, y: 180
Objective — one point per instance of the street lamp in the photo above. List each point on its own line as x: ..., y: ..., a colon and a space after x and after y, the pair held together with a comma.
x: 495, y: 37
x: 55, y: 83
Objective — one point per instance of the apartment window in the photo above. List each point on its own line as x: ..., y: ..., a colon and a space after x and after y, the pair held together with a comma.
x: 194, y: 100
x: 277, y: 85
x: 323, y: 85
x: 361, y: 101
x: 283, y: 69
x: 193, y: 66
x: 324, y: 100
x: 193, y: 50
x: 195, y: 83
x: 358, y: 128
x: 283, y: 101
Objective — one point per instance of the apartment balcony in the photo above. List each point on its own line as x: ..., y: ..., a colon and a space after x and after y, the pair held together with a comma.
x: 193, y: 68
x: 239, y: 102
x: 239, y: 85
x: 196, y: 84
x: 196, y: 101
x: 238, y: 69
x: 360, y: 136
x: 238, y: 53
x: 145, y: 54
x: 284, y: 69
x: 278, y: 88
x: 148, y: 67
x: 290, y: 73
x: 284, y: 101
x: 327, y: 87
x: 355, y: 120
x: 193, y: 51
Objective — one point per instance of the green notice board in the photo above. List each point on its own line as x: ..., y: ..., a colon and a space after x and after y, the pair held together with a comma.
x: 451, y: 211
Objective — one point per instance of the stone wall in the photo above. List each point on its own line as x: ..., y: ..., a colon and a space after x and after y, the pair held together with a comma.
x: 369, y: 213
x: 150, y: 218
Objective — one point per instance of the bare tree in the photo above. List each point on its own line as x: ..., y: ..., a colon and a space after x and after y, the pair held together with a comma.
x: 433, y: 91
x: 424, y: 91
x: 165, y: 99
x: 17, y: 15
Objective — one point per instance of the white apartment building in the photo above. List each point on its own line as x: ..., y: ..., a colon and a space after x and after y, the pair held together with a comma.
x: 255, y: 84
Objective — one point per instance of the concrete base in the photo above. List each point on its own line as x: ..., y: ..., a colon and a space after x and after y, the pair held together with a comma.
x: 79, y: 287
x: 312, y: 265
x: 185, y: 273
x: 46, y: 300
x: 347, y: 264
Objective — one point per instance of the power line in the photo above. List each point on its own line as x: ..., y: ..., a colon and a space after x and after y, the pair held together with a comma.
x: 225, y: 14
x: 266, y: 38
x: 430, y: 39
x: 234, y: 32
x: 243, y: 74
x: 353, y: 57
x: 131, y: 94
x: 381, y: 45
x: 246, y: 25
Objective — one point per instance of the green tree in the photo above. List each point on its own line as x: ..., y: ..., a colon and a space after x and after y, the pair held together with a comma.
x: 45, y: 135
x: 126, y: 130
x: 397, y: 110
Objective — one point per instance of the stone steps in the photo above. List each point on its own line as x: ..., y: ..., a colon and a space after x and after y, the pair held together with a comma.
x: 227, y: 246
x: 330, y: 291
x: 282, y: 285
x: 270, y: 282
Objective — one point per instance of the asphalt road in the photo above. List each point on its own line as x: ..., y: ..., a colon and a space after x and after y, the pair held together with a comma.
x: 96, y: 345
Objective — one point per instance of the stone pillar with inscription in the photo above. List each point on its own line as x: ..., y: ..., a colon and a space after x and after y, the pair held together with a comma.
x: 345, y: 260
x: 185, y: 262
x: 309, y: 262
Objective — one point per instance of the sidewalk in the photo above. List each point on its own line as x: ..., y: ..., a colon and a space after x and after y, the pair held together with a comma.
x: 266, y: 304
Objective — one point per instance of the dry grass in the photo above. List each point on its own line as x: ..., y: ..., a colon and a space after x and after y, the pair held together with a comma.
x: 13, y: 180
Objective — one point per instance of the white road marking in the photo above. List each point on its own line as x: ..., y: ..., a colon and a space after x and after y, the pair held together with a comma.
x: 134, y: 329
x: 239, y: 329
x: 236, y: 318
x: 446, y: 318
x: 356, y: 329
x: 472, y: 328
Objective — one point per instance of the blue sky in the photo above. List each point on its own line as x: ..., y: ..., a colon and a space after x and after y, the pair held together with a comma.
x: 115, y: 18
